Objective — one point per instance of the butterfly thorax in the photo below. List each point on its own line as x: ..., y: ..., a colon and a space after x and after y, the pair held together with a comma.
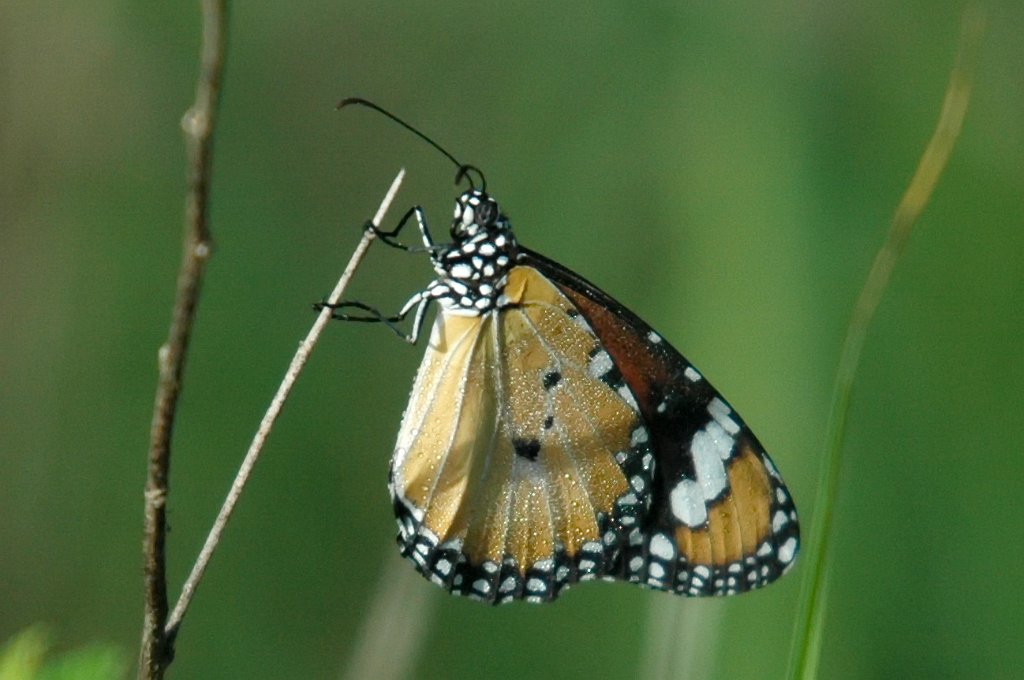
x: 473, y: 269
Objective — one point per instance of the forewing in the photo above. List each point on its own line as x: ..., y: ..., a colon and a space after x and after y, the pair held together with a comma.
x: 721, y: 520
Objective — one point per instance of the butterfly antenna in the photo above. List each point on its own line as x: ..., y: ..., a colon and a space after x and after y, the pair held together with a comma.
x: 463, y: 169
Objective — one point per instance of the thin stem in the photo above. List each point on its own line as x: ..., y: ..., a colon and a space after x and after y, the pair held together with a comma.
x: 198, y: 124
x: 675, y: 628
x: 252, y: 455
x: 807, y: 641
x: 394, y: 628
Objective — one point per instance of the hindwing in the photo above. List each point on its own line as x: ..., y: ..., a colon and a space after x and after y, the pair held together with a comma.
x: 523, y: 463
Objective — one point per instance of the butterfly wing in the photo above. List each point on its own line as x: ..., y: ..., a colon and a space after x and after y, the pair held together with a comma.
x: 520, y: 467
x: 721, y: 520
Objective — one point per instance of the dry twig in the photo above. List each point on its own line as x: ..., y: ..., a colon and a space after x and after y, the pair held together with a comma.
x: 198, y: 124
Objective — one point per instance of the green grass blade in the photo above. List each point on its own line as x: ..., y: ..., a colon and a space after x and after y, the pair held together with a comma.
x: 807, y: 641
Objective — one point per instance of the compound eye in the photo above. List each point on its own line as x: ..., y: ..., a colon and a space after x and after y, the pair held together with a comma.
x: 485, y: 214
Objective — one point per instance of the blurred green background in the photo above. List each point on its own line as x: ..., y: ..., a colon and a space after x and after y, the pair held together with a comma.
x: 726, y: 170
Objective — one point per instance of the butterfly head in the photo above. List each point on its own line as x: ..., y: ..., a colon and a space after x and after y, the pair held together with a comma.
x: 477, y: 213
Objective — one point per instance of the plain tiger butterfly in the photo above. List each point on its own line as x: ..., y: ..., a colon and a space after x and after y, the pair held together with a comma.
x: 553, y: 437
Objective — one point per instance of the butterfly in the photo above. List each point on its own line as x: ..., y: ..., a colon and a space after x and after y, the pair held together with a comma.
x: 553, y: 437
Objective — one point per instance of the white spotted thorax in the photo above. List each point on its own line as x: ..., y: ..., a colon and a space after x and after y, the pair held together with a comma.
x: 473, y: 268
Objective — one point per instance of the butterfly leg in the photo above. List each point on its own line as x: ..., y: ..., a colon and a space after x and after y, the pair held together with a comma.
x: 374, y: 315
x: 390, y: 237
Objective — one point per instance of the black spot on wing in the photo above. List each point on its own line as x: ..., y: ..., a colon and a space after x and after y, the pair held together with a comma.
x: 526, y: 448
x: 552, y: 378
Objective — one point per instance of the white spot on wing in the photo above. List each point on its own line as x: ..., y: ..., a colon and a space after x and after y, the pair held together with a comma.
x: 787, y: 550
x: 600, y: 364
x: 779, y: 520
x: 627, y: 397
x: 720, y: 412
x: 692, y: 375
x: 722, y: 441
x: 662, y: 547
x: 687, y: 503
x: 707, y: 454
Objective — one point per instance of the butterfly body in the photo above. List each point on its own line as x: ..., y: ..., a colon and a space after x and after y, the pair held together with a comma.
x: 553, y: 437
